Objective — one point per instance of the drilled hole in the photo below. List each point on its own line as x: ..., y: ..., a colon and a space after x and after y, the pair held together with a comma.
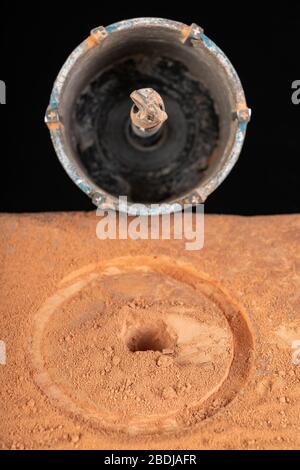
x: 149, y: 338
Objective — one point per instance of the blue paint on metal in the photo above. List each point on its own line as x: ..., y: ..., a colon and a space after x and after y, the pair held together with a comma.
x: 208, y: 42
x: 243, y: 126
x: 83, y: 186
x: 115, y: 26
x: 219, y: 53
x: 53, y: 100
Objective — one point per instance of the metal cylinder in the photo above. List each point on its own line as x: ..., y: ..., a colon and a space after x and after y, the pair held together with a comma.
x: 90, y: 115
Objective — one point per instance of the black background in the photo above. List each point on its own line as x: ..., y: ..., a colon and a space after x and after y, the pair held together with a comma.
x: 264, y: 47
